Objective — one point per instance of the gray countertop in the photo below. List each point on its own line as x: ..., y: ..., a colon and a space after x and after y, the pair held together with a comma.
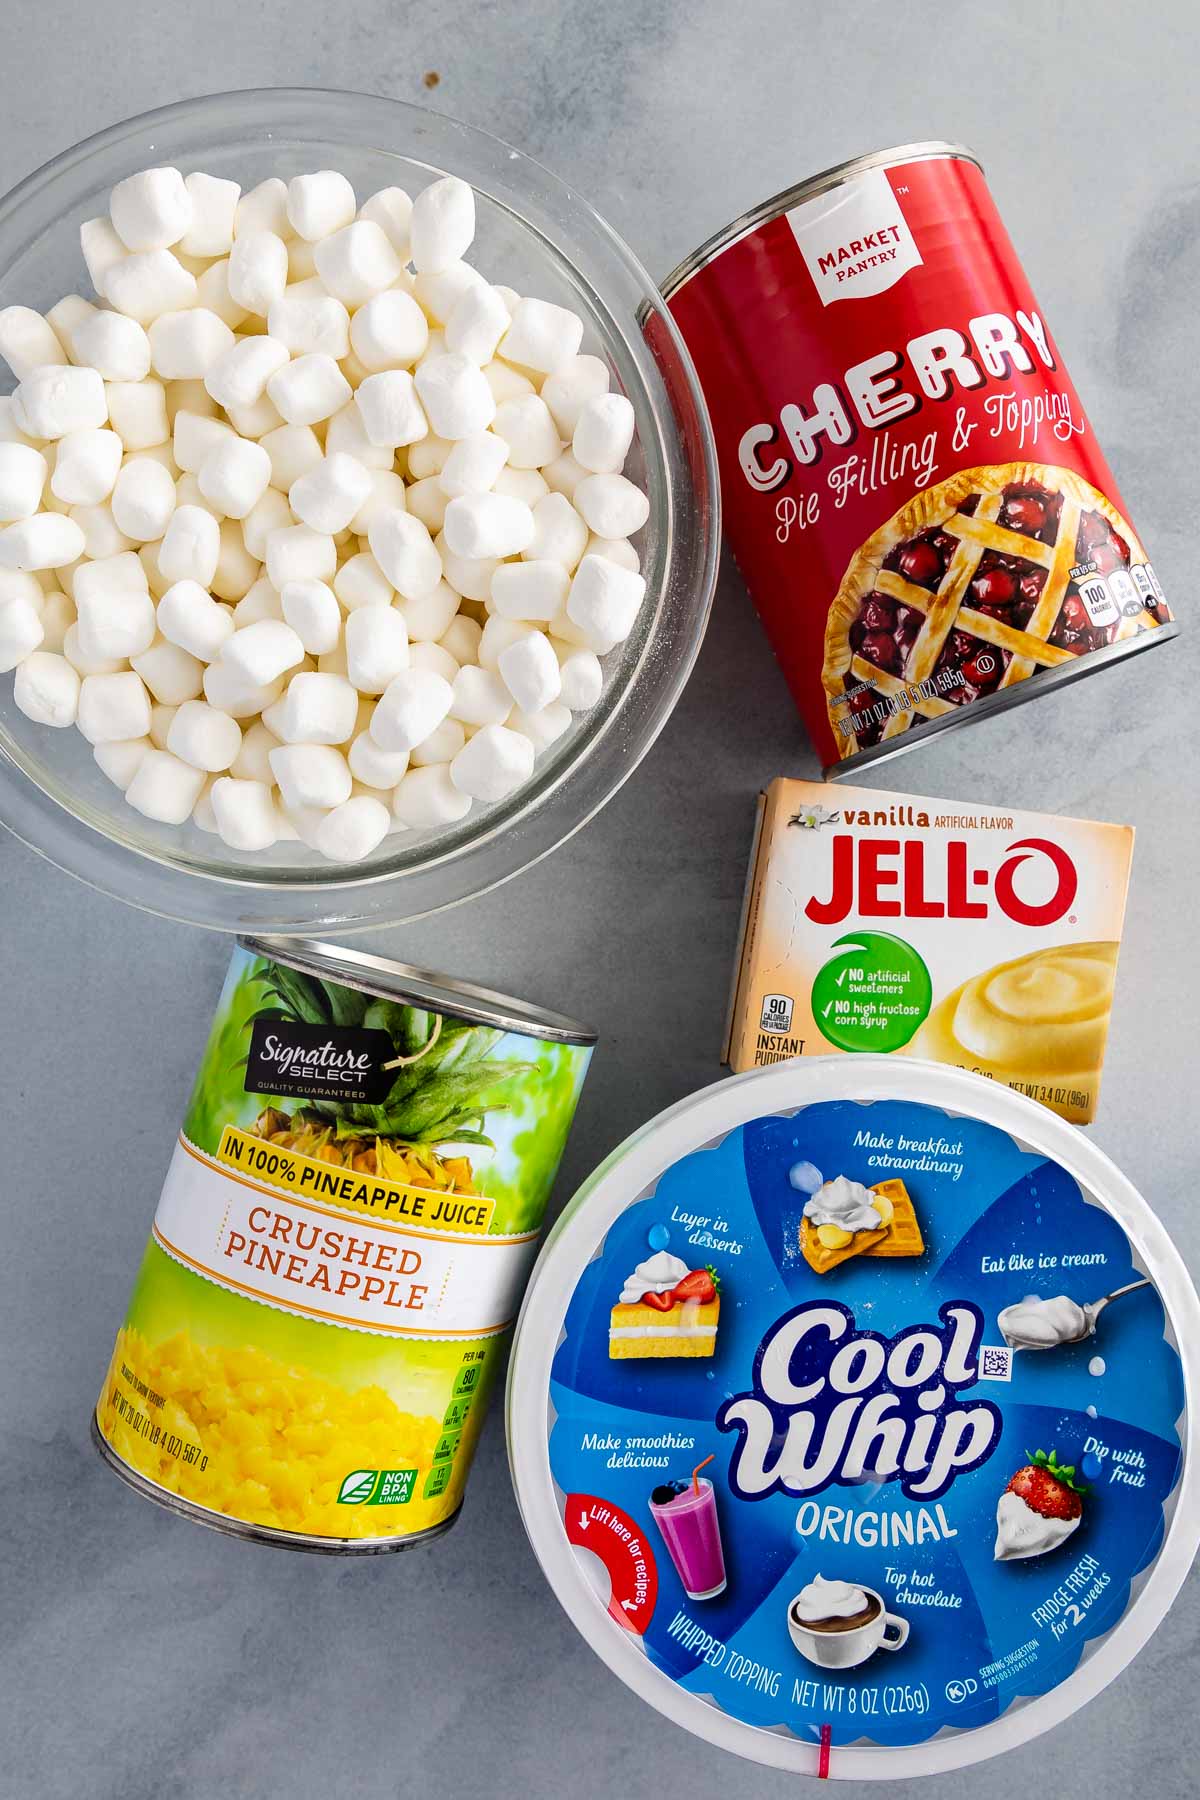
x: 141, y: 1656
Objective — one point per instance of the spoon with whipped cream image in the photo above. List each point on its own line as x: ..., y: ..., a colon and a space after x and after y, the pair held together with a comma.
x: 1044, y: 1324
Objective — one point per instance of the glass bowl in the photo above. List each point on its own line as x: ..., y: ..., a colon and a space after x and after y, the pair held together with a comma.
x: 535, y: 234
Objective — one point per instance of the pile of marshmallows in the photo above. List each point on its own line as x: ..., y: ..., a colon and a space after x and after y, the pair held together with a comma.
x: 310, y: 530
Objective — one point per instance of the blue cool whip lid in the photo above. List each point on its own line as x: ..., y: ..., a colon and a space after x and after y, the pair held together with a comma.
x: 849, y: 1417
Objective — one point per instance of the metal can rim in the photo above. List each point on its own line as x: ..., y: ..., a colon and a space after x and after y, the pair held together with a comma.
x: 926, y: 150
x: 390, y: 980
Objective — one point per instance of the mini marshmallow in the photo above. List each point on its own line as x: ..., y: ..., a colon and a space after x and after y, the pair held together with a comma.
x: 346, y: 432
x: 20, y: 630
x: 473, y: 464
x: 506, y: 383
x: 439, y: 294
x: 163, y: 788
x: 479, y: 697
x: 521, y: 484
x: 319, y: 204
x: 618, y: 550
x: 386, y: 492
x: 86, y: 467
x: 10, y: 430
x: 240, y: 376
x: 541, y: 336
x: 427, y: 500
x: 116, y: 613
x: 212, y: 292
x: 137, y: 412
x: 237, y: 570
x: 568, y: 392
x: 143, y: 499
x: 297, y: 553
x: 203, y: 737
x: 83, y: 661
x: 234, y: 476
x: 603, y: 434
x: 264, y: 208
x: 498, y: 634
x: 28, y: 341
x: 244, y: 812
x: 405, y: 552
x: 352, y: 830
x: 611, y: 506
x: 441, y: 225
x: 260, y: 601
x: 52, y: 401
x: 65, y: 318
x: 357, y: 262
x: 195, y: 436
x: 428, y: 457
x: 171, y: 675
x: 541, y: 728
x: 441, y: 746
x: 487, y: 525
x: 605, y: 599
x: 392, y: 414
x: 391, y: 209
x: 389, y: 332
x: 101, y: 249
x: 258, y: 271
x: 310, y: 322
x: 413, y: 705
x: 121, y: 759
x: 477, y: 322
x: 184, y: 345
x: 492, y: 764
x: 229, y: 692
x: 582, y: 677
x: 190, y: 617
x: 251, y: 762
x: 214, y: 214
x: 255, y: 420
x: 23, y: 476
x: 559, y: 533
x: 112, y: 707
x: 145, y: 286
x: 316, y: 709
x: 309, y: 389
x: 151, y: 210
x: 260, y: 653
x: 427, y: 798
x: 530, y: 671
x: 312, y: 611
x: 161, y: 718
x: 564, y: 474
x: 428, y: 616
x: 470, y: 576
x: 57, y: 614
x: 530, y: 590
x: 376, y: 647
x: 438, y: 660
x: 293, y: 450
x: 361, y: 582
x: 44, y: 541
x: 375, y: 767
x: 310, y: 774
x: 190, y: 546
x: 456, y: 398
x: 529, y: 431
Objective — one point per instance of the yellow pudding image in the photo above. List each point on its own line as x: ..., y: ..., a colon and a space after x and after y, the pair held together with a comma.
x: 1037, y: 1024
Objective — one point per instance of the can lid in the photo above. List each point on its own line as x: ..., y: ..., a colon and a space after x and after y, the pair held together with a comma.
x: 927, y: 150
x: 397, y: 980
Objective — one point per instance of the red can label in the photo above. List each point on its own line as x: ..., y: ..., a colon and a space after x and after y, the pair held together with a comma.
x: 912, y: 489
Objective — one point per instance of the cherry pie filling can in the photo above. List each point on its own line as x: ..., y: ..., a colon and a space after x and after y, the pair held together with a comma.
x: 911, y: 487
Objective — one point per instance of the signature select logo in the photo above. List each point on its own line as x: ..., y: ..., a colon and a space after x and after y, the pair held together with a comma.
x: 883, y: 878
x: 833, y: 1404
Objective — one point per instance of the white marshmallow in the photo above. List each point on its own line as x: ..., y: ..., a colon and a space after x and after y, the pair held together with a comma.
x: 375, y: 767
x: 52, y: 401
x: 441, y: 225
x: 603, y: 434
x: 439, y: 295
x: 195, y: 436
x: 20, y: 630
x: 559, y: 533
x: 82, y: 660
x: 251, y: 762
x: 316, y: 709
x: 262, y: 652
x: 116, y: 613
x: 258, y: 271
x: 64, y: 319
x: 293, y: 450
x: 521, y: 484
x: 212, y: 292
x: 361, y: 582
x: 143, y: 499
x: 44, y: 541
x: 345, y: 432
x: 23, y: 476
x: 413, y: 705
x: 255, y: 420
x: 618, y: 550
x: 392, y: 415
x: 605, y: 599
x: 237, y: 570
x: 428, y: 615
x: 611, y: 506
x: 529, y: 670
x: 184, y: 345
x: 427, y: 798
x: 530, y: 590
x: 405, y: 552
x: 581, y: 675
x: 234, y: 476
x: 121, y: 759
x: 57, y: 613
x: 477, y: 322
x: 190, y: 546
x: 462, y: 638
x: 568, y: 392
x: 456, y: 398
x: 260, y: 601
x: 352, y: 830
x: 506, y: 383
x: 564, y: 474
x: 441, y: 746
x: 264, y: 208
x: 310, y: 322
x: 101, y: 249
x: 487, y: 525
x: 163, y: 788
x: 189, y: 617
x: 529, y: 431
x: 492, y: 764
x: 357, y: 261
x: 312, y: 611
x: 151, y: 210
x: 438, y: 660
x: 542, y: 337
x: 427, y: 500
x: 385, y: 493
x: 147, y: 285
x: 310, y: 774
x: 541, y: 728
x: 479, y: 697
x: 112, y: 707
x: 376, y: 647
x: 214, y: 212
x: 391, y: 209
x: 28, y: 341
x: 137, y: 412
x: 101, y: 538
x: 309, y: 389
x: 473, y: 464
x: 470, y: 576
x: 171, y: 675
x: 428, y: 457
x: 86, y: 467
x: 10, y: 430
x: 240, y: 376
x: 203, y: 737
x: 161, y: 718
x: 229, y: 692
x: 296, y: 553
x: 244, y: 812
x: 389, y: 332
x: 319, y: 204
x: 498, y: 634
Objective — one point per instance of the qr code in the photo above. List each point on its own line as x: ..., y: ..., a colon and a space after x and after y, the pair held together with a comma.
x: 995, y: 1362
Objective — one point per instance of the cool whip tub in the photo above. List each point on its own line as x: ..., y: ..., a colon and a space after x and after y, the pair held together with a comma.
x: 931, y: 1479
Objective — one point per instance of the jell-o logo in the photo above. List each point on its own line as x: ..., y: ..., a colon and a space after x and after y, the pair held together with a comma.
x: 884, y: 878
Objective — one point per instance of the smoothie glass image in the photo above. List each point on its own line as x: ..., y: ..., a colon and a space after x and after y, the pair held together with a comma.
x: 691, y: 1531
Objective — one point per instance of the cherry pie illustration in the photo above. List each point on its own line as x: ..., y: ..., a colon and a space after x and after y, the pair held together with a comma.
x: 973, y: 586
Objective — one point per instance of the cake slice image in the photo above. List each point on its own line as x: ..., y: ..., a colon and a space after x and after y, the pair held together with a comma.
x: 665, y: 1309
x: 844, y: 1219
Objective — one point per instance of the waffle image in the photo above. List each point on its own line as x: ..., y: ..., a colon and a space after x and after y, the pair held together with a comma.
x: 898, y: 1235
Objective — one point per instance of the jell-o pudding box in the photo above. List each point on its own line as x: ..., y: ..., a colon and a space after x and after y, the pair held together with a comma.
x: 964, y: 934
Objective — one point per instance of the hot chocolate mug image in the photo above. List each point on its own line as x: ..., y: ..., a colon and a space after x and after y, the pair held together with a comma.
x: 838, y: 1625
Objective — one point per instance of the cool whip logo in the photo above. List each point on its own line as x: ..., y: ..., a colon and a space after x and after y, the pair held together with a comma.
x: 833, y: 1404
x: 855, y: 240
x: 885, y: 878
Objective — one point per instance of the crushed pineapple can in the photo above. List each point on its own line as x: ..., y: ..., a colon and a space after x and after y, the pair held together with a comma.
x: 341, y: 1243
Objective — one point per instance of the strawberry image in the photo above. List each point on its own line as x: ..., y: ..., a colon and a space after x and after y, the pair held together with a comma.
x: 660, y: 1302
x: 698, y: 1284
x: 1039, y: 1509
